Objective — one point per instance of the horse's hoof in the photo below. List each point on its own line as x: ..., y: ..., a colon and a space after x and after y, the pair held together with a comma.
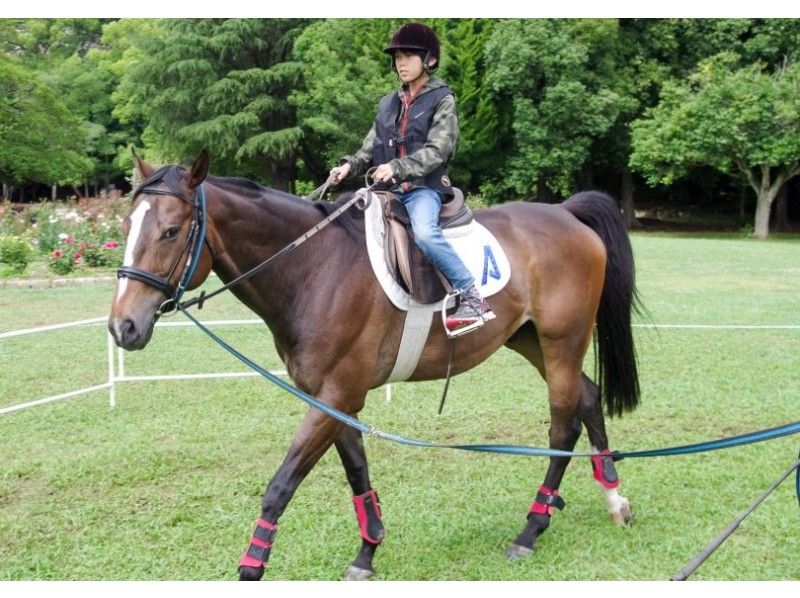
x: 624, y: 516
x: 354, y: 573
x: 515, y: 551
x: 250, y: 573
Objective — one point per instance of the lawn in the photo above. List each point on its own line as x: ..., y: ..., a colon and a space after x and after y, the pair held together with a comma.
x: 167, y: 484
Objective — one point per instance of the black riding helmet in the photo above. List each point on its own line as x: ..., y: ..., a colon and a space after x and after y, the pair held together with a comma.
x: 419, y: 37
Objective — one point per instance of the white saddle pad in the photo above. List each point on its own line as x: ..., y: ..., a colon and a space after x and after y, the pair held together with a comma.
x: 475, y: 245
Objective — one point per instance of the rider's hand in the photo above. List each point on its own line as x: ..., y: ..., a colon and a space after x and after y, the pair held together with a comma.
x: 383, y: 173
x: 339, y: 173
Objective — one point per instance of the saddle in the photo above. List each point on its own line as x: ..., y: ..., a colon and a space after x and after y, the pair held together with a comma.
x: 409, y: 266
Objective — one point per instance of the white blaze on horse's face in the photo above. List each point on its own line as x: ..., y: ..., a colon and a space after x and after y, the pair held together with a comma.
x: 137, y: 217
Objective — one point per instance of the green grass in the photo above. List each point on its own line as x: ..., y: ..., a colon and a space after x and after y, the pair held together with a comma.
x: 167, y: 485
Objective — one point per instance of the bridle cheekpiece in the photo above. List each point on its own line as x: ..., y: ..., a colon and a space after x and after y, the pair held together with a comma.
x: 194, y: 243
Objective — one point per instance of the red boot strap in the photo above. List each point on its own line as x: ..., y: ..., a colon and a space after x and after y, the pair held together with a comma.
x: 257, y: 554
x: 603, y: 469
x: 368, y: 513
x: 546, y: 501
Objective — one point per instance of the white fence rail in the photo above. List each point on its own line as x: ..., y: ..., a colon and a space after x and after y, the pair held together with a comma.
x: 116, y: 359
x: 116, y: 362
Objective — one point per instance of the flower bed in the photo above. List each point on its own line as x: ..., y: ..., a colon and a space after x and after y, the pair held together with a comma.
x: 62, y: 237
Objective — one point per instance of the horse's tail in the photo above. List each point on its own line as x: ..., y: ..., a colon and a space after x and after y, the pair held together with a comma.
x: 614, y: 350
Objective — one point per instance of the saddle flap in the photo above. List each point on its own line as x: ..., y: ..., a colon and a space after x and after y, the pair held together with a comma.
x: 405, y: 260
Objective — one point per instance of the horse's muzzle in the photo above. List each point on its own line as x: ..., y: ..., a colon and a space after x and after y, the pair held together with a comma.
x: 128, y: 334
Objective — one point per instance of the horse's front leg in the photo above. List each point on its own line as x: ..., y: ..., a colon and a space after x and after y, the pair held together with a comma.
x: 350, y: 446
x: 313, y: 438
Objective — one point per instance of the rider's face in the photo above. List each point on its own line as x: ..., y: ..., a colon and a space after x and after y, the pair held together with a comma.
x: 408, y: 65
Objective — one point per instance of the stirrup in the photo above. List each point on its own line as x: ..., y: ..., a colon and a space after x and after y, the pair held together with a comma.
x: 449, y: 301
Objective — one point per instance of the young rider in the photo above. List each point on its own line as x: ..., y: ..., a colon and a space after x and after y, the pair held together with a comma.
x: 413, y: 138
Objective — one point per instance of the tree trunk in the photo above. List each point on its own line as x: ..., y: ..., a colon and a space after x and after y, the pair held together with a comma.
x: 766, y: 192
x: 586, y: 178
x: 762, y: 218
x: 780, y: 215
x: 53, y: 192
x: 5, y: 191
x: 543, y: 193
x: 766, y: 195
x: 283, y: 174
x: 628, y: 214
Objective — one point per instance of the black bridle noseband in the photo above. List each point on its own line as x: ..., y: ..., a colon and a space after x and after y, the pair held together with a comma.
x: 194, y: 244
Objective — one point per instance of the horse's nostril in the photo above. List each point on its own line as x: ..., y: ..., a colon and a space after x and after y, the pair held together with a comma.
x: 128, y: 327
x: 126, y: 331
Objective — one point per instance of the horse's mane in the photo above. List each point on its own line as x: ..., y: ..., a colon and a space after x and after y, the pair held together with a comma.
x: 172, y: 176
x: 244, y: 186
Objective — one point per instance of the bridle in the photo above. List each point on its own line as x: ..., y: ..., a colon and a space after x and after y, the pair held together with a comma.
x: 194, y: 245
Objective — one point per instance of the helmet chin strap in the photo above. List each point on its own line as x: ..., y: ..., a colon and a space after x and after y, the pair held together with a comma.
x: 426, y: 63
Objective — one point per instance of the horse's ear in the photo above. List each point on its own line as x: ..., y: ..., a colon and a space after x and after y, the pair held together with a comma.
x: 199, y: 170
x: 144, y: 169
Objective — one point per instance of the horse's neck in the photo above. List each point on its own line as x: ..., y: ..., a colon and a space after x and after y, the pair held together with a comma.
x: 252, y: 230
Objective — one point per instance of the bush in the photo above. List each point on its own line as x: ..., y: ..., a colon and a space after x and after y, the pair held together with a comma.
x: 15, y: 252
x: 105, y: 255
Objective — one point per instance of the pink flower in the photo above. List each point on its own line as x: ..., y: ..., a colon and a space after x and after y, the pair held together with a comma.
x: 58, y: 253
x: 77, y: 255
x: 69, y: 240
x: 110, y: 244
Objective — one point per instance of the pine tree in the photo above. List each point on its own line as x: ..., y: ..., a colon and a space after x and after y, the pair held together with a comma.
x: 221, y: 85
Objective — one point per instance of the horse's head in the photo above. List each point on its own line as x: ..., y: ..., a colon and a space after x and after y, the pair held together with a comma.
x: 162, y: 232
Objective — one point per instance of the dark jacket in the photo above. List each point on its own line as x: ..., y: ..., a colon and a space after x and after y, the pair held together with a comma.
x: 429, y: 143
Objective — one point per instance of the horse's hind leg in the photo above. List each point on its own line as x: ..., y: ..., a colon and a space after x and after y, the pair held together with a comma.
x: 559, y: 365
x: 590, y: 412
x: 563, y: 377
x: 350, y: 447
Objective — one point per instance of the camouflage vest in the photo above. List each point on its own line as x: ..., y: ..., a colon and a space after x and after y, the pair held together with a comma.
x: 387, y: 138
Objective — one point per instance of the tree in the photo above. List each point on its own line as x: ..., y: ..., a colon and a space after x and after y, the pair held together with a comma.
x: 220, y: 84
x: 39, y: 139
x: 541, y: 68
x: 56, y: 52
x: 345, y: 74
x: 741, y: 121
x: 483, y: 123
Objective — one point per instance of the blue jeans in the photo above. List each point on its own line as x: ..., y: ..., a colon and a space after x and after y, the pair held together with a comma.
x: 423, y: 206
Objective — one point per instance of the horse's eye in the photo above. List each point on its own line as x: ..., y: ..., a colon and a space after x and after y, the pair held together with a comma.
x: 171, y: 233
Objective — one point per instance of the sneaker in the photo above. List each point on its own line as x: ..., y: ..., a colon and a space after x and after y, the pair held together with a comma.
x: 472, y: 313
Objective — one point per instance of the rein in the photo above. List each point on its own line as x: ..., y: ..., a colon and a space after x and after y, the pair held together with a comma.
x: 509, y: 449
x: 360, y: 196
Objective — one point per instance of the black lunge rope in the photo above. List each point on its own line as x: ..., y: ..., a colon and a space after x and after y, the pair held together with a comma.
x: 701, y: 556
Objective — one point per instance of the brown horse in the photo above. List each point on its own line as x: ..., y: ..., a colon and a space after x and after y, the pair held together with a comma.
x: 338, y: 335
